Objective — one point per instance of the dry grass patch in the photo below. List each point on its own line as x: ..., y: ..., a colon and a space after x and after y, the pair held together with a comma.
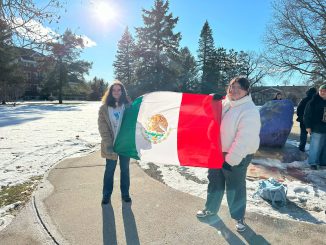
x: 19, y: 193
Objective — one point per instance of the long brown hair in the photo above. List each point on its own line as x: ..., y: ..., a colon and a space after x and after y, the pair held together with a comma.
x: 108, y: 99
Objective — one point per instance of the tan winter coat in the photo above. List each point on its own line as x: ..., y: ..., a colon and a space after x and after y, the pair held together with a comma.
x: 106, y: 132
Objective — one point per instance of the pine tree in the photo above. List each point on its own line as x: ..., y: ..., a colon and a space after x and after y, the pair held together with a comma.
x: 125, y: 60
x: 232, y: 65
x: 157, y: 47
x: 189, y: 80
x: 98, y: 87
x: 207, y: 60
x: 220, y: 68
x: 12, y: 81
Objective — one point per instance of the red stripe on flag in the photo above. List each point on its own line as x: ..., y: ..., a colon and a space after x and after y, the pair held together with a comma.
x: 199, y: 143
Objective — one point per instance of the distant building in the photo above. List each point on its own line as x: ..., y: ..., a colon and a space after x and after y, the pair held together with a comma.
x: 261, y: 95
x: 30, y: 63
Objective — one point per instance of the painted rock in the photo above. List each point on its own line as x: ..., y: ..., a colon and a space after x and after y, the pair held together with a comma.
x: 276, y: 122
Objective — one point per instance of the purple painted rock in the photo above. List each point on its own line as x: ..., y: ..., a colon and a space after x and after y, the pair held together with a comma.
x: 276, y: 122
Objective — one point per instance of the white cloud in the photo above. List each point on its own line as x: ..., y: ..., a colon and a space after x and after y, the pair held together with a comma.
x: 34, y: 30
x: 88, y: 42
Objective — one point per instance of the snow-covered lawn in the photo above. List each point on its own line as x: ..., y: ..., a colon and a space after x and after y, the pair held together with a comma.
x: 33, y: 137
x: 36, y: 136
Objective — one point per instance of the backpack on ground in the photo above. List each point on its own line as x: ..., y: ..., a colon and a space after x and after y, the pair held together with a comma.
x: 272, y: 190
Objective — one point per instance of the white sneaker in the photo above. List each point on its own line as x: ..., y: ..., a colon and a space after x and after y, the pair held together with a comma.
x: 241, y: 225
x: 204, y: 213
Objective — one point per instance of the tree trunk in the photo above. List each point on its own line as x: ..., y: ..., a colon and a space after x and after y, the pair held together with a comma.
x: 61, y: 77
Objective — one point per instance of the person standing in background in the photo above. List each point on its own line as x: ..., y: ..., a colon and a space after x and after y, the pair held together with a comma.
x: 278, y: 96
x: 300, y: 111
x: 314, y: 119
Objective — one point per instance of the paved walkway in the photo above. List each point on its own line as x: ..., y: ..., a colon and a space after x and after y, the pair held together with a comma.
x: 158, y: 214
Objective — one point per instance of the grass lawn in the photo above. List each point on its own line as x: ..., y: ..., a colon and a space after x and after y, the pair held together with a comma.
x: 19, y: 194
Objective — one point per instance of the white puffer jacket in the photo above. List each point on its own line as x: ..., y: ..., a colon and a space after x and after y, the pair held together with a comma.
x: 240, y: 129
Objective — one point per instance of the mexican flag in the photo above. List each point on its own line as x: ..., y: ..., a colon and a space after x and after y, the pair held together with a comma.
x: 172, y: 128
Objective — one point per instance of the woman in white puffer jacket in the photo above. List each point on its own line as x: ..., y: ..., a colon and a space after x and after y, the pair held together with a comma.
x: 240, y: 128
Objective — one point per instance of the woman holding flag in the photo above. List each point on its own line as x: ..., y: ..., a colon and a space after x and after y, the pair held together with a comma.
x: 240, y: 128
x: 114, y: 102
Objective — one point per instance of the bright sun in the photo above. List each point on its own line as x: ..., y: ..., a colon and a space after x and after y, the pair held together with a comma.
x: 104, y: 11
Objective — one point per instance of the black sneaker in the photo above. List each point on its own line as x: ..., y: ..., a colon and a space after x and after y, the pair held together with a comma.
x: 241, y: 225
x: 106, y: 201
x: 126, y: 199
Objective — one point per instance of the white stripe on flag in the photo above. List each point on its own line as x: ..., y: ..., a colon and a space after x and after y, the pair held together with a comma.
x: 166, y: 104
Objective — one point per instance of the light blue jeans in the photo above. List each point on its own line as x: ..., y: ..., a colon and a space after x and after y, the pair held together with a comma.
x: 317, y: 149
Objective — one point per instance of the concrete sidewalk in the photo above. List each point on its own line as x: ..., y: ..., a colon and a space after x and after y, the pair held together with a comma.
x: 158, y: 214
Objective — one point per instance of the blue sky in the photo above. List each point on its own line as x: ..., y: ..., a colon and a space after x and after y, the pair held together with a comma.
x: 236, y: 24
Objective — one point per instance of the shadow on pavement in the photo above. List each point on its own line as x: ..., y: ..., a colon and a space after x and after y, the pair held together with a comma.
x: 252, y: 238
x: 109, y: 231
x: 131, y: 232
x: 216, y: 222
x: 298, y: 213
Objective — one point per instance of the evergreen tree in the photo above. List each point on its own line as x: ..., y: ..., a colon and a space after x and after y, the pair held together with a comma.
x: 232, y: 68
x: 189, y: 80
x: 124, y: 63
x: 207, y: 60
x: 11, y: 77
x: 157, y: 47
x: 220, y: 68
x: 98, y: 87
x: 242, y: 64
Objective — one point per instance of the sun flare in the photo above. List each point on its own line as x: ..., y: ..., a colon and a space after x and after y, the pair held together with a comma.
x: 104, y: 11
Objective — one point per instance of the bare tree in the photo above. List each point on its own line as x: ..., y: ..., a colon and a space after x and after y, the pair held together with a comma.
x: 295, y: 38
x: 253, y: 67
x: 26, y: 19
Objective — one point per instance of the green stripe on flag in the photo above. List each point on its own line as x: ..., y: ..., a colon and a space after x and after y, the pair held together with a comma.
x: 125, y: 143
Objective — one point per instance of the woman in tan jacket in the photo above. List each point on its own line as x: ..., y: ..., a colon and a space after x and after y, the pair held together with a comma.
x: 114, y: 102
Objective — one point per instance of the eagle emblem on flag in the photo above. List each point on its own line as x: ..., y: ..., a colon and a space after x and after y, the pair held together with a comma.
x: 156, y: 129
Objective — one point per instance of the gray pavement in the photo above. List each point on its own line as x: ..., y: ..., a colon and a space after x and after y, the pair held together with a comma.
x: 68, y: 204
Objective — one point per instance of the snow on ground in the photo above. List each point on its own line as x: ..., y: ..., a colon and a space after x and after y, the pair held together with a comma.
x: 36, y: 136
x: 33, y: 137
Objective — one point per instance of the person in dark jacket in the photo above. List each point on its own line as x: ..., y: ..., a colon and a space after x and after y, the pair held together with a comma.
x: 314, y: 119
x: 300, y: 111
